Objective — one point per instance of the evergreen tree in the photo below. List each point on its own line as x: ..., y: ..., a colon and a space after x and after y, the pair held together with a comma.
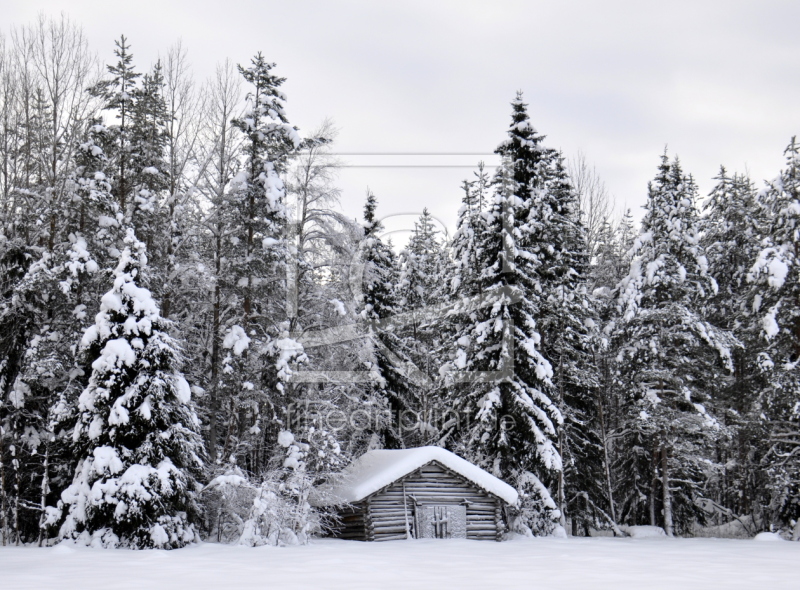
x: 777, y: 303
x: 136, y: 434
x: 611, y: 262
x: 510, y: 417
x: 22, y: 407
x: 471, y: 225
x: 259, y: 193
x: 118, y: 93
x: 669, y: 356
x: 464, y: 286
x: 610, y: 266
x: 257, y: 364
x: 378, y: 300
x: 420, y: 293
x: 147, y: 163
x: 566, y: 322
x: 42, y: 316
x: 733, y: 230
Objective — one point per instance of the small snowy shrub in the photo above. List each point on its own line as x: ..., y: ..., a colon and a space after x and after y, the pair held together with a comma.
x: 274, y: 511
x: 536, y: 513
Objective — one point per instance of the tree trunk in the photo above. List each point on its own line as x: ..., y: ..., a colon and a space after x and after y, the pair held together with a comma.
x: 653, y: 488
x: 668, y: 528
x: 562, y: 508
x: 561, y: 500
x: 17, y: 487
x: 45, y: 490
x: 214, y: 389
x: 3, y: 507
x: 607, y: 467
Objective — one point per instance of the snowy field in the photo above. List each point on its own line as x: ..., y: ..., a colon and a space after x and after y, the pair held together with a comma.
x: 594, y: 563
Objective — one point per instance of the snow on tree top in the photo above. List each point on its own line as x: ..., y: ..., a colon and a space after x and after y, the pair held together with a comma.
x: 379, y: 468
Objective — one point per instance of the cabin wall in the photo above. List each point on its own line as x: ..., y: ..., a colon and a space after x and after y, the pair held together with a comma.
x: 390, y: 513
x: 352, y: 523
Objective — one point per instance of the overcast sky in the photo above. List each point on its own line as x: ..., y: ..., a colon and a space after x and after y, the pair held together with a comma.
x: 718, y: 81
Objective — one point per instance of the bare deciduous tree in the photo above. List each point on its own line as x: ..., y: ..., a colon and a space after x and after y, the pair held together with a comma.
x: 182, y: 135
x: 60, y: 66
x: 312, y: 196
x: 217, y: 157
x: 595, y: 202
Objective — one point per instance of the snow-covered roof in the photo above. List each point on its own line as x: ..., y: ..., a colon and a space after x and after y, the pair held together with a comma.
x: 377, y: 469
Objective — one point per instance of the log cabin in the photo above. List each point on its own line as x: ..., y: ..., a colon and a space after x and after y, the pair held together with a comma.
x: 425, y: 492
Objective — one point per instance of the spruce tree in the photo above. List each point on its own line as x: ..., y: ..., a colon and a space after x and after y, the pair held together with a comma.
x: 777, y: 302
x: 256, y: 367
x: 147, y: 162
x: 420, y: 293
x: 567, y: 322
x: 139, y: 453
x: 670, y: 357
x: 508, y: 418
x: 42, y: 316
x: 378, y: 302
x: 118, y: 93
x: 470, y: 226
x: 733, y: 229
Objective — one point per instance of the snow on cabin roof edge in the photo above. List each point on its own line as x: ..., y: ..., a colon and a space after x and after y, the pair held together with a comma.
x: 377, y: 469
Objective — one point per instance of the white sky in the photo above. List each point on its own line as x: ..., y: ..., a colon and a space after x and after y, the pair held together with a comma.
x: 716, y: 81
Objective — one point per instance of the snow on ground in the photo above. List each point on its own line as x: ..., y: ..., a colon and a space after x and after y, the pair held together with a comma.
x: 600, y: 563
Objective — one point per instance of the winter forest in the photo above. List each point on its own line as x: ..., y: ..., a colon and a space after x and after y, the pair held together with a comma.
x: 193, y: 334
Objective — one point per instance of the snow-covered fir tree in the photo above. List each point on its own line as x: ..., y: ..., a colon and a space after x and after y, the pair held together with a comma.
x: 393, y: 371
x: 147, y: 162
x: 470, y: 226
x: 136, y: 434
x: 733, y: 229
x: 255, y: 343
x: 43, y: 314
x: 776, y: 302
x: 421, y: 290
x: 567, y: 325
x: 118, y: 95
x: 669, y: 357
x: 508, y: 414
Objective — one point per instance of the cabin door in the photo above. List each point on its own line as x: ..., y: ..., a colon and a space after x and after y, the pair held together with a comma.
x: 442, y: 522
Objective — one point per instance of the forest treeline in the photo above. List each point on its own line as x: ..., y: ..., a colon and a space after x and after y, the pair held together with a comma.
x: 192, y: 334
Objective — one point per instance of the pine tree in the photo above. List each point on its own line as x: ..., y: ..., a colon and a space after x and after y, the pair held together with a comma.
x: 669, y: 356
x: 147, y: 163
x: 378, y: 301
x: 509, y: 413
x: 733, y: 229
x: 775, y: 273
x: 136, y: 433
x: 118, y: 94
x: 257, y: 365
x: 420, y: 294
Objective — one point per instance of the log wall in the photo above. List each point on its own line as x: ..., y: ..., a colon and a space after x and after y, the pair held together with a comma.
x: 352, y: 523
x: 433, y: 484
x: 389, y: 514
